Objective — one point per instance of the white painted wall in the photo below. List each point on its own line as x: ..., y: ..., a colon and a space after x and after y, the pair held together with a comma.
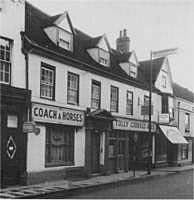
x: 14, y: 12
x: 85, y: 89
x: 36, y: 150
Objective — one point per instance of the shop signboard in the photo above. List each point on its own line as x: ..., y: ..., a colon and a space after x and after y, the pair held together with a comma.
x: 133, y: 125
x: 58, y: 115
x: 29, y: 127
x: 164, y: 118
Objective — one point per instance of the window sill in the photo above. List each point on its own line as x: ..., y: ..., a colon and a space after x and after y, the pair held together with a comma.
x: 52, y: 99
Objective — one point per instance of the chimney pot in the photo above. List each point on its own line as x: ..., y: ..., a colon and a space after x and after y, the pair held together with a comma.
x: 120, y: 34
x: 125, y: 33
x: 123, y: 42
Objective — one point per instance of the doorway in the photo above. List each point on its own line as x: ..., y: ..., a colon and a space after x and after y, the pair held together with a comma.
x: 95, y: 151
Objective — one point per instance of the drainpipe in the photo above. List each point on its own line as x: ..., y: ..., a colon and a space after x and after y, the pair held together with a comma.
x: 179, y: 113
x: 26, y: 54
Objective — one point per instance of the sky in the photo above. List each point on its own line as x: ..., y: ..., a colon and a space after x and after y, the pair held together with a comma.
x: 151, y: 25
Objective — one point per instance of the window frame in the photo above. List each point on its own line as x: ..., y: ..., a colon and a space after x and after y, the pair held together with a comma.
x: 51, y: 68
x: 131, y: 93
x: 102, y: 58
x: 97, y: 83
x: 10, y: 62
x: 187, y: 118
x: 165, y: 107
x: 131, y: 71
x: 164, y: 81
x: 146, y: 98
x: 78, y: 89
x: 184, y: 151
x: 59, y: 39
x: 117, y: 102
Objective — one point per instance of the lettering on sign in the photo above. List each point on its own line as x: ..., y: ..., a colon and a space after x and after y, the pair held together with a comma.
x: 53, y: 114
x: 132, y: 125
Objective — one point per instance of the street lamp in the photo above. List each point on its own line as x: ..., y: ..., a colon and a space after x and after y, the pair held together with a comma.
x: 154, y: 54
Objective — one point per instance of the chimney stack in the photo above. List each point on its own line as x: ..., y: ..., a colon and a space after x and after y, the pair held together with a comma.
x: 122, y: 43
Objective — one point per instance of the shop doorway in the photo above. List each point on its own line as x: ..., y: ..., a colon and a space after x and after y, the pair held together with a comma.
x: 95, y: 151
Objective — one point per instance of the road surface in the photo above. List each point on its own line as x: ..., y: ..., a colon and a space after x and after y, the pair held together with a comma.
x: 176, y: 186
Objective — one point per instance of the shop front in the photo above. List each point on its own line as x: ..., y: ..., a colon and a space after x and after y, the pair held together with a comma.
x: 169, y: 140
x: 58, y: 149
x: 132, y: 143
x: 15, y: 103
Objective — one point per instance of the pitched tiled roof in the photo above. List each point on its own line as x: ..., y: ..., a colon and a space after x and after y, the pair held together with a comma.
x: 35, y: 22
x: 156, y: 67
x: 183, y: 93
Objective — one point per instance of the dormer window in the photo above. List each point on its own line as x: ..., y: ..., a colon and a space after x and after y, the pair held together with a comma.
x: 61, y: 32
x: 103, y: 57
x: 100, y: 51
x: 129, y: 64
x: 133, y: 71
x: 65, y: 40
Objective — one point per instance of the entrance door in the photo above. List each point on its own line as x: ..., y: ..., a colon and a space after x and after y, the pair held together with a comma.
x: 95, y: 153
x: 11, y: 153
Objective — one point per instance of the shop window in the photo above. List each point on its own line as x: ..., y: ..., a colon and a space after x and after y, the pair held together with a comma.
x: 59, y: 146
x: 5, y: 60
x: 161, y: 148
x: 142, y: 147
x: 114, y: 99
x: 47, y: 81
x: 187, y: 122
x: 95, y: 97
x: 73, y: 89
x: 121, y: 147
x: 165, y: 104
x: 129, y: 106
x: 184, y: 151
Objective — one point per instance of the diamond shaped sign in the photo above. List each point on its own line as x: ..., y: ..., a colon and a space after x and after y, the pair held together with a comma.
x: 11, y: 147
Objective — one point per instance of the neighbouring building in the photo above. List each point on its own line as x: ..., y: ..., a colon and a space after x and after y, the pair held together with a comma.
x: 86, y: 100
x: 184, y: 118
x: 168, y: 137
x: 14, y: 95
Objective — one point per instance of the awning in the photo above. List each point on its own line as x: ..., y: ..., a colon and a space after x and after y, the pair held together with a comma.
x: 173, y: 135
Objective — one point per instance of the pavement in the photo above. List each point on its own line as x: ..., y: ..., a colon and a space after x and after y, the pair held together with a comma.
x: 33, y: 191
